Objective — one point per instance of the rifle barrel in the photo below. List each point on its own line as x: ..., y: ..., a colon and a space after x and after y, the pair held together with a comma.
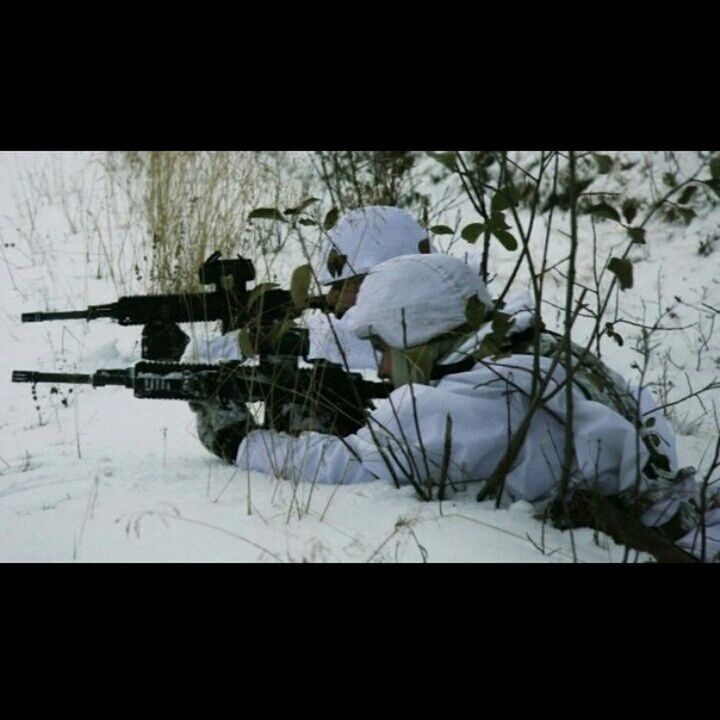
x: 64, y: 315
x: 30, y: 376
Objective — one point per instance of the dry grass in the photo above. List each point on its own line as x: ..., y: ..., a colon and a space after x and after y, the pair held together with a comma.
x: 190, y: 204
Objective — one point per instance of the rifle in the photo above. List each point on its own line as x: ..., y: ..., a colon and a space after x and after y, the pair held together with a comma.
x: 325, y: 389
x: 230, y: 302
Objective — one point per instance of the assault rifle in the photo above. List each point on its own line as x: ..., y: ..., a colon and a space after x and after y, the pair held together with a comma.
x: 230, y: 302
x: 324, y: 390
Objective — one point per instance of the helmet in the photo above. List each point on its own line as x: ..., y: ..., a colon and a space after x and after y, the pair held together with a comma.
x: 366, y: 237
x: 410, y: 300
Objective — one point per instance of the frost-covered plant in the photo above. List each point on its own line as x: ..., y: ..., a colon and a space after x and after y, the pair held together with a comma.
x: 571, y: 192
x: 355, y: 178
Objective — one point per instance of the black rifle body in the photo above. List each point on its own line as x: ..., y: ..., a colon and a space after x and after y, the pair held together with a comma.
x: 230, y: 302
x: 325, y: 390
x: 230, y: 307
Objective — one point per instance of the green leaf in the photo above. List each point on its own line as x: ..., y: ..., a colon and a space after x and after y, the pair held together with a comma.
x: 490, y: 346
x: 447, y: 159
x: 650, y: 422
x: 629, y: 209
x: 493, y: 342
x: 604, y: 210
x: 506, y: 239
x: 686, y: 194
x: 336, y: 262
x: 637, y: 235
x: 266, y: 214
x: 514, y: 194
x: 715, y: 168
x: 302, y: 206
x: 300, y: 285
x: 307, y: 221
x: 497, y: 222
x: 604, y: 163
x: 442, y: 230
x: 714, y: 185
x: 501, y: 324
x: 245, y: 343
x: 623, y: 270
x: 472, y: 232
x: 610, y: 331
x: 331, y: 218
x: 501, y: 200
x: 475, y: 312
x: 687, y: 214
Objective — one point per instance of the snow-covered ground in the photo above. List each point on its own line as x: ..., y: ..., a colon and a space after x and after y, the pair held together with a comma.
x: 96, y: 475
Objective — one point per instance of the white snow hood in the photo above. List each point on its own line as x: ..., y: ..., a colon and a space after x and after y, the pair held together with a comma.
x: 428, y: 294
x: 367, y: 237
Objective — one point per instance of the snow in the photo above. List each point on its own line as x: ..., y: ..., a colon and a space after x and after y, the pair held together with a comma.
x: 98, y: 475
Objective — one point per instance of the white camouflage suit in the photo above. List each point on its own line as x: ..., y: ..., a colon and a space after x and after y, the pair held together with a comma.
x: 412, y: 300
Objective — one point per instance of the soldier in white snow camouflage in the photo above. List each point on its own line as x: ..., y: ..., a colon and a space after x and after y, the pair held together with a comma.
x: 462, y: 390
x: 360, y: 240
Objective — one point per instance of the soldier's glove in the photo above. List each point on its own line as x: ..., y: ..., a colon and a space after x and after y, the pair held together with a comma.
x: 221, y: 424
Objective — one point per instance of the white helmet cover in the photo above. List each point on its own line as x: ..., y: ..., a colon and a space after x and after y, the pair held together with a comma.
x: 431, y: 290
x: 366, y: 237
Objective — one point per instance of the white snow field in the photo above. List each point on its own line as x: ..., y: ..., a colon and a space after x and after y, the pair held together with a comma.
x: 96, y: 475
